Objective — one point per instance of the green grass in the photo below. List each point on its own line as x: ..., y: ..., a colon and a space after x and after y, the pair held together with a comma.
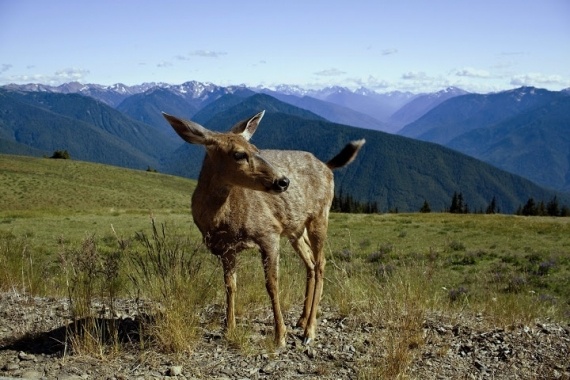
x: 31, y: 185
x: 389, y: 269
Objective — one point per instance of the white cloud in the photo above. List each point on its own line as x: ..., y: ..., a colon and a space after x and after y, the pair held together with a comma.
x: 164, y: 64
x: 207, y: 53
x: 532, y: 79
x: 200, y: 53
x: 373, y: 83
x: 70, y: 74
x: 472, y: 73
x: 57, y: 78
x: 5, y: 67
x: 511, y: 53
x: 415, y: 75
x: 389, y: 51
x: 539, y: 79
x: 333, y: 72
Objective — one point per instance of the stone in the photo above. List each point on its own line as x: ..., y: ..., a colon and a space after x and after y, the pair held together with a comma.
x: 175, y: 370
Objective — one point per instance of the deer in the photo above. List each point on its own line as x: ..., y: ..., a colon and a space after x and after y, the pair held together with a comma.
x: 250, y: 198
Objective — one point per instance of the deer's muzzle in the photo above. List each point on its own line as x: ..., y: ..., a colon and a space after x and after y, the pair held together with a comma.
x: 280, y: 185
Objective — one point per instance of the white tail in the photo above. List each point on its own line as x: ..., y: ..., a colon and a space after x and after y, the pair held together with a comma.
x: 250, y: 198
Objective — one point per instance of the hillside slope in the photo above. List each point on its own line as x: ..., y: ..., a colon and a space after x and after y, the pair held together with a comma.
x: 462, y: 114
x: 422, y: 104
x: 524, y: 131
x: 396, y: 172
x: 534, y: 144
x: 28, y: 183
x: 89, y: 130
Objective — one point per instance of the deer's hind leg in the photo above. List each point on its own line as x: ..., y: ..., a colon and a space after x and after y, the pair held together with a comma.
x: 303, y: 248
x: 317, y: 232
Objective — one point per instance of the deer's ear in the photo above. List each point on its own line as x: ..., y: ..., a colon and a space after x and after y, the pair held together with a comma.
x: 191, y: 132
x: 247, y: 127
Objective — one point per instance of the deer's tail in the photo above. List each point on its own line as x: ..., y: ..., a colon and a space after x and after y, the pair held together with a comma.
x: 346, y: 155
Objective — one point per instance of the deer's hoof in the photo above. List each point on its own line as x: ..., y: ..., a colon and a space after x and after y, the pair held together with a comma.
x: 280, y: 343
x: 307, y: 341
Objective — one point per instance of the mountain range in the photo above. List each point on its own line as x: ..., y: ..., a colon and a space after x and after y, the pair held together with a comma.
x: 122, y: 125
x: 525, y: 131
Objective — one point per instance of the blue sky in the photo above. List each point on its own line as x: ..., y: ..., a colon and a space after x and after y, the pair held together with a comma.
x: 416, y: 46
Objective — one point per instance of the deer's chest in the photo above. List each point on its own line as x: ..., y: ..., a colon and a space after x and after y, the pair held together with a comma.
x: 224, y: 229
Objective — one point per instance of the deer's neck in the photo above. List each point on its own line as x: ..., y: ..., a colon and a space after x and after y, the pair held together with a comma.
x: 211, y: 199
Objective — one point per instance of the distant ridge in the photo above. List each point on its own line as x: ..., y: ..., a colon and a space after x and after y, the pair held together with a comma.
x: 421, y: 104
x: 395, y: 172
x: 398, y: 173
x: 524, y: 131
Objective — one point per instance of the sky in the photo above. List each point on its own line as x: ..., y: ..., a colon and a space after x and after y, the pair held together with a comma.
x: 419, y: 46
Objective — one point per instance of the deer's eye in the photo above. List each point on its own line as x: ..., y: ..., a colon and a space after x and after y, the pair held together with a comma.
x: 239, y: 156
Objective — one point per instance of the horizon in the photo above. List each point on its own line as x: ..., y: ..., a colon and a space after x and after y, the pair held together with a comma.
x: 271, y: 88
x: 411, y: 46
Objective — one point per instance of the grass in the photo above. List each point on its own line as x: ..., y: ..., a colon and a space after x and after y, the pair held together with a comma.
x: 122, y: 233
x: 31, y: 185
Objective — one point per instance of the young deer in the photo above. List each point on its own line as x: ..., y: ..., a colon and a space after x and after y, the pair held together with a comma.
x: 250, y: 198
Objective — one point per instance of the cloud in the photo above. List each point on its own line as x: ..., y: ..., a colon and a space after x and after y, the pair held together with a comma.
x: 472, y: 73
x: 207, y: 53
x: 70, y: 74
x: 415, y: 75
x: 200, y: 53
x: 510, y: 53
x: 539, y: 79
x: 5, y: 67
x: 57, y: 78
x: 372, y: 83
x: 330, y: 72
x: 164, y: 64
x: 389, y: 51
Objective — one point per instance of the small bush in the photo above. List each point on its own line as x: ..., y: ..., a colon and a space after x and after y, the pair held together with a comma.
x: 545, y: 267
x: 344, y: 255
x: 169, y: 273
x: 384, y: 271
x: 455, y: 245
x: 61, y: 154
x: 91, y: 275
x: 516, y: 283
x: 455, y: 294
x: 375, y: 257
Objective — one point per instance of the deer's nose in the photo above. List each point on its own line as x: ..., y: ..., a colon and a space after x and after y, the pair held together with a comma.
x: 281, y: 184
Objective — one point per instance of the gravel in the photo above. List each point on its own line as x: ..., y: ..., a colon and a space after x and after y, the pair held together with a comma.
x: 33, y: 335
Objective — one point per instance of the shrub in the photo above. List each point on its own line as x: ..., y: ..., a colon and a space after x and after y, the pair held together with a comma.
x: 61, y: 154
x: 457, y: 294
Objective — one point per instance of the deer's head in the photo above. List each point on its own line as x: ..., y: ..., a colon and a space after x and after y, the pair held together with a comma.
x: 233, y: 158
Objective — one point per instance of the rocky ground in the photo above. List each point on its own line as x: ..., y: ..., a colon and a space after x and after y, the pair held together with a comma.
x: 32, y: 346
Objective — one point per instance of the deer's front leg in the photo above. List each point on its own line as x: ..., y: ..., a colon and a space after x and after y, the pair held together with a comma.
x: 230, y: 279
x: 270, y: 257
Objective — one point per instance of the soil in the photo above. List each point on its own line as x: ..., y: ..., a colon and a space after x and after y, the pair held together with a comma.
x: 33, y: 346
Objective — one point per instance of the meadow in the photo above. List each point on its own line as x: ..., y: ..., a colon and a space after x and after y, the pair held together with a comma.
x: 85, y: 231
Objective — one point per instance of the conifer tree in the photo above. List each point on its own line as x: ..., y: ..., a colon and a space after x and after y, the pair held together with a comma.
x: 529, y: 209
x: 552, y: 207
x: 425, y: 207
x: 492, y: 207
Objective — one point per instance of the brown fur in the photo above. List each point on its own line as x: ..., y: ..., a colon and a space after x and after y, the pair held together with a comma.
x: 250, y: 198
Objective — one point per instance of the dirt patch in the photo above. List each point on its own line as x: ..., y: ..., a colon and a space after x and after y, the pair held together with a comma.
x: 33, y: 345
